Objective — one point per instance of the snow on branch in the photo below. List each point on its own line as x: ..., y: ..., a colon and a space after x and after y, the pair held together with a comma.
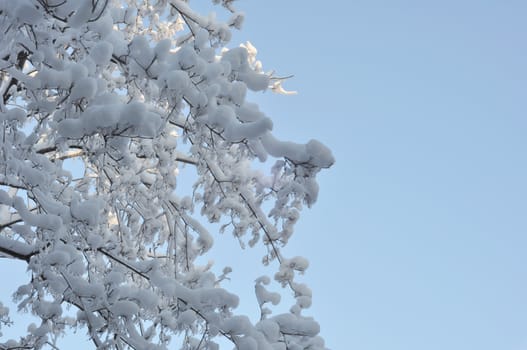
x: 102, y: 103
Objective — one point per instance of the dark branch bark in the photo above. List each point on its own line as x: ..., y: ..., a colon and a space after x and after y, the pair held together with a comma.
x: 20, y: 61
x: 15, y: 254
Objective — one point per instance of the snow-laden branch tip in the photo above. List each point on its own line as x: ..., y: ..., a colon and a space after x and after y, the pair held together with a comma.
x: 279, y: 89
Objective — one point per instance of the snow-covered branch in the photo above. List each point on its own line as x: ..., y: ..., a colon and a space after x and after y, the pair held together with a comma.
x: 128, y: 91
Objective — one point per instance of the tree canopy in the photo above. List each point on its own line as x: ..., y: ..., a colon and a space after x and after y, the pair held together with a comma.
x: 132, y: 90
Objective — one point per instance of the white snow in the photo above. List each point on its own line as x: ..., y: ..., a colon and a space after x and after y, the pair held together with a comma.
x: 313, y: 152
x: 84, y: 88
x: 101, y: 53
x: 290, y: 323
x: 124, y: 308
x: 81, y: 15
x: 27, y: 13
x: 87, y: 210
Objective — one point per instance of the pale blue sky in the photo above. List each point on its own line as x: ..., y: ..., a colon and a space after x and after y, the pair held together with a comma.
x: 419, y: 236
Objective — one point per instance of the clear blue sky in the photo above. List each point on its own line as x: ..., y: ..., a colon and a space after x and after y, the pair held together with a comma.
x: 419, y: 237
